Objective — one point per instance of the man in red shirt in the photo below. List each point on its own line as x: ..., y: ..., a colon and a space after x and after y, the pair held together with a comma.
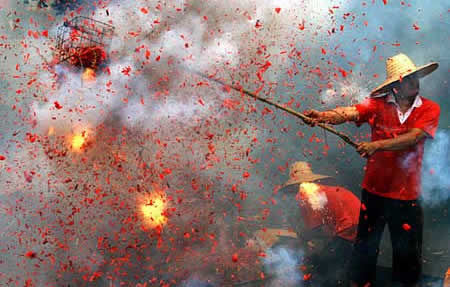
x: 400, y: 120
x: 328, y: 215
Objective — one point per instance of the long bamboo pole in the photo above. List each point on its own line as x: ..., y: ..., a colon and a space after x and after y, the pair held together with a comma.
x: 326, y: 127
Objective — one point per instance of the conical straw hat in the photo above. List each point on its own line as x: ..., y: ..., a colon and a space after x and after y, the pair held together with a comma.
x: 300, y: 171
x: 398, y: 67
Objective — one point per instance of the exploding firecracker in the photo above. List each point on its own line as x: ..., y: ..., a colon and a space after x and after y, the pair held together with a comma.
x: 153, y: 209
x: 88, y: 75
x: 311, y: 193
x: 77, y: 141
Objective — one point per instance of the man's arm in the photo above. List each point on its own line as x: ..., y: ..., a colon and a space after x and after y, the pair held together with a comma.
x: 335, y: 116
x: 403, y: 141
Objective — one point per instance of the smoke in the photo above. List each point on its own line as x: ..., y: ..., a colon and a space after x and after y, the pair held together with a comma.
x: 196, y: 283
x: 345, y: 92
x: 284, y: 265
x: 153, y: 123
x: 436, y: 170
x: 311, y: 193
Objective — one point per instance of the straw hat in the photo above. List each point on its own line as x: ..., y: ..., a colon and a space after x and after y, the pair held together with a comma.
x: 300, y: 171
x: 398, y: 67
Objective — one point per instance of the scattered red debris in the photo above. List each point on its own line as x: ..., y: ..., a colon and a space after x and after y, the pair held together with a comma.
x: 57, y: 105
x: 30, y: 254
x: 234, y: 257
x: 126, y: 71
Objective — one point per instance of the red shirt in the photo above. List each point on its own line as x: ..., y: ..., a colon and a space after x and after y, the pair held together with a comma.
x: 396, y: 174
x: 340, y: 214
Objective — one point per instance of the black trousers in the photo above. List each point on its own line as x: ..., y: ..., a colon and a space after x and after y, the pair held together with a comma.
x: 405, y: 222
x: 330, y: 267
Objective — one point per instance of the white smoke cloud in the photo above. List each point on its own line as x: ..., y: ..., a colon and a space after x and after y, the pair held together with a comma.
x: 283, y: 264
x: 436, y: 170
x: 345, y: 92
x: 160, y: 97
x: 313, y: 196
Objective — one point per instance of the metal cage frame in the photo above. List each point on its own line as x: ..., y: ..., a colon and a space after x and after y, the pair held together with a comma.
x: 88, y: 33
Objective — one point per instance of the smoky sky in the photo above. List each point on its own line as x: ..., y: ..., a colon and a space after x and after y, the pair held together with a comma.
x: 154, y: 120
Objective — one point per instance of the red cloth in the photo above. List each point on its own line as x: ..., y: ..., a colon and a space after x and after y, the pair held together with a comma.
x: 88, y: 57
x: 396, y: 174
x: 339, y: 215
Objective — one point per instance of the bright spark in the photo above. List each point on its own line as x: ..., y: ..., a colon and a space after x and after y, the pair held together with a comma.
x: 77, y: 142
x: 153, y: 211
x: 88, y: 75
x: 311, y: 192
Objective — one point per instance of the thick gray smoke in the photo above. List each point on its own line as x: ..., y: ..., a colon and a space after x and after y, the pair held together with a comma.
x: 284, y: 265
x: 436, y: 170
x: 150, y: 122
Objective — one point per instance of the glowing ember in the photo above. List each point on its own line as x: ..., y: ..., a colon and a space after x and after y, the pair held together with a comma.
x: 153, y: 210
x: 77, y: 141
x: 311, y: 192
x: 88, y: 75
x: 51, y: 131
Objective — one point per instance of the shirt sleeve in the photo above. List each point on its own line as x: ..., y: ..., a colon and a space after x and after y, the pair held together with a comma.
x: 429, y: 120
x: 366, y: 110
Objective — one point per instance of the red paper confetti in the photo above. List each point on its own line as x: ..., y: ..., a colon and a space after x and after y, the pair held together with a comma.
x: 126, y: 71
x: 30, y: 254
x: 363, y: 207
x: 301, y: 26
x: 57, y: 105
x: 234, y: 257
x: 406, y: 226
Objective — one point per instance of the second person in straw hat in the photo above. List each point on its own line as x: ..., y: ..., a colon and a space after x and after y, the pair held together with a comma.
x: 401, y: 120
x: 328, y: 217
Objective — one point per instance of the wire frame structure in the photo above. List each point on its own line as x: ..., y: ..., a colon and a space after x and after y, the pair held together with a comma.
x: 83, y: 41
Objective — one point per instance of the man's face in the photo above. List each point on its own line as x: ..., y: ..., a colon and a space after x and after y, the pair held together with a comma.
x: 408, y: 87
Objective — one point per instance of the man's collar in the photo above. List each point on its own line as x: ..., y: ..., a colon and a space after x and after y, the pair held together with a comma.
x: 417, y: 101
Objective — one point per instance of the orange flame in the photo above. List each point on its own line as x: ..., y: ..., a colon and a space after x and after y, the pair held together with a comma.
x: 77, y: 141
x: 51, y: 131
x: 153, y: 209
x: 89, y: 75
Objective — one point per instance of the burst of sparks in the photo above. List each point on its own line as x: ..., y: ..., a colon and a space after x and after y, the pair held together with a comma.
x: 51, y: 131
x: 153, y: 211
x: 77, y: 142
x: 88, y: 75
x: 310, y: 192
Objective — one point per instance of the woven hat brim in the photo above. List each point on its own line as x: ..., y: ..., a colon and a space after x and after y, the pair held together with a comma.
x: 313, y: 177
x: 388, y: 84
